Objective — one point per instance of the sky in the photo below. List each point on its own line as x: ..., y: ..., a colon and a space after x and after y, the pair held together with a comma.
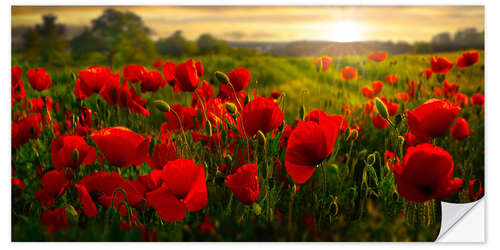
x: 279, y: 23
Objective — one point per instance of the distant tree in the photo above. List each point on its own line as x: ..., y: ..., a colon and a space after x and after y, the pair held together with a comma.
x: 176, y: 45
x: 116, y: 33
x: 45, y: 42
x: 441, y: 38
x: 208, y: 44
x: 422, y: 47
x: 468, y: 36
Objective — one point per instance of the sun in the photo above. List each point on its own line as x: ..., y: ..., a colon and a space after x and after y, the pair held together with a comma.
x: 346, y: 31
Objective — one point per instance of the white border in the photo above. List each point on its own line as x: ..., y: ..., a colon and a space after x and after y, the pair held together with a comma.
x: 492, y: 57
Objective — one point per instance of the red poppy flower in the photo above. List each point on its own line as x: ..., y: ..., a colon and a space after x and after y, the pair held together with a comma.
x: 441, y: 65
x: 239, y: 78
x: 152, y: 81
x: 136, y: 104
x: 477, y: 99
x: 377, y: 87
x: 377, y: 56
x: 149, y: 182
x: 199, y: 68
x: 109, y: 92
x: 17, y: 182
x: 91, y: 81
x: 206, y: 226
x: 37, y: 105
x: 367, y: 92
x: 411, y: 89
x: 106, y: 184
x: 467, y: 59
x: 433, y: 118
x: 168, y: 72
x: 187, y: 115
x: 391, y: 79
x: 261, y: 114
x: 379, y: 122
x: 309, y: 144
x: 244, y: 183
x: 39, y: 79
x: 25, y: 129
x: 369, y: 108
x: 17, y: 85
x: 348, y: 73
x: 186, y: 76
x: 437, y: 92
x: 158, y: 63
x: 427, y: 73
x: 16, y: 72
x: 461, y: 99
x: 426, y: 174
x: 71, y: 151
x: 392, y: 108
x: 134, y: 73
x: 85, y: 121
x: 318, y: 115
x: 460, y: 130
x: 121, y: 146
x: 88, y: 205
x: 285, y: 135
x: 162, y: 154
x: 184, y: 187
x: 326, y: 61
x: 54, y: 184
x: 205, y: 91
x: 473, y: 186
x: 403, y: 96
x: 54, y: 220
x: 449, y: 89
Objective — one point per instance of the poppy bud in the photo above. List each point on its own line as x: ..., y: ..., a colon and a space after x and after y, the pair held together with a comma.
x: 230, y: 107
x: 381, y: 108
x: 353, y: 134
x: 348, y: 133
x: 261, y: 138
x: 371, y: 159
x: 222, y: 77
x: 162, y: 105
x: 75, y: 155
x: 71, y: 215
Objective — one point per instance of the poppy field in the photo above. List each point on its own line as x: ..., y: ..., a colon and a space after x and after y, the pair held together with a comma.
x: 222, y: 148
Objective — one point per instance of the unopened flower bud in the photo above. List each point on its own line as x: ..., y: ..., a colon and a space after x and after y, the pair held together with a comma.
x: 222, y: 77
x: 353, y: 134
x: 161, y: 105
x: 381, y: 108
x: 230, y: 107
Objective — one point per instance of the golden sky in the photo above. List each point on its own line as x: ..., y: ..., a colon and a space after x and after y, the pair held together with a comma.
x: 280, y: 23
